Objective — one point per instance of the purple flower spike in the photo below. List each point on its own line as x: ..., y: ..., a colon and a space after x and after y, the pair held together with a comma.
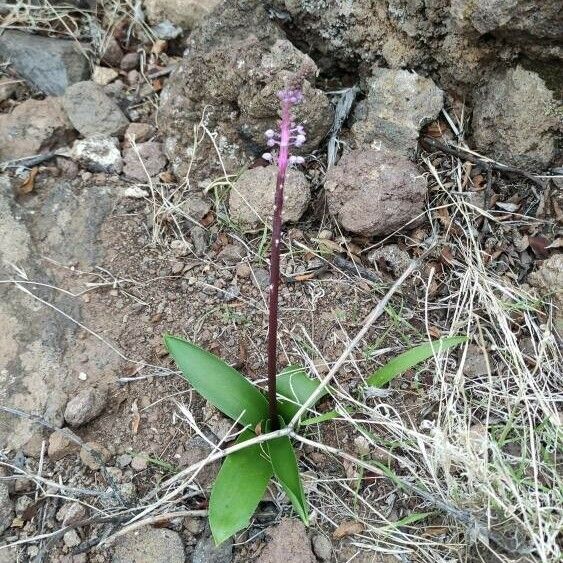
x: 289, y: 135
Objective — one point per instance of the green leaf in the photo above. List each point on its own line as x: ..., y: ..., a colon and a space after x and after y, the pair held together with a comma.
x: 410, y: 519
x: 325, y: 417
x: 239, y: 487
x: 411, y: 358
x: 293, y: 384
x: 218, y: 382
x: 284, y: 463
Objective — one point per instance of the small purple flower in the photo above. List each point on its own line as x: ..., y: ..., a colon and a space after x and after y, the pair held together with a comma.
x: 288, y: 135
x: 296, y: 160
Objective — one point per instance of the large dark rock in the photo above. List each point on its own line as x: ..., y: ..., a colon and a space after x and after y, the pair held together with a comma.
x: 51, y: 65
x: 229, y: 82
x: 374, y: 192
x: 398, y: 104
x: 438, y: 38
x: 34, y: 127
x: 515, y: 120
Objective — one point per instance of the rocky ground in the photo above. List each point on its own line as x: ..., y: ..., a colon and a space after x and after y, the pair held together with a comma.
x: 134, y: 202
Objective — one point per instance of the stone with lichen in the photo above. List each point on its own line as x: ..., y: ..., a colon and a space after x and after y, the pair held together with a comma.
x: 242, y: 76
x: 251, y: 201
x: 375, y: 192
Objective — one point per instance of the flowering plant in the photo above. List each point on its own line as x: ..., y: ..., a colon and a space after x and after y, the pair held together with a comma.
x: 263, y: 448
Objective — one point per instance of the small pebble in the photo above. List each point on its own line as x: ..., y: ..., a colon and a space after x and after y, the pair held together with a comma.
x: 133, y: 77
x: 243, y: 270
x: 322, y: 547
x: 177, y: 268
x: 123, y: 460
x: 130, y: 61
x: 71, y: 538
x: 94, y: 455
x: 262, y: 278
x: 22, y: 504
x: 139, y: 463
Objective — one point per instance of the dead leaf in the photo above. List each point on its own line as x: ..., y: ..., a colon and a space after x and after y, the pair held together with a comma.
x: 444, y: 216
x: 30, y: 512
x: 539, y: 246
x: 434, y: 331
x: 435, y: 129
x: 433, y: 531
x: 167, y: 177
x: 18, y: 522
x: 29, y: 183
x: 159, y: 46
x: 557, y: 210
x: 348, y: 528
x: 479, y: 181
x: 208, y: 219
x: 362, y: 284
x: 447, y: 255
x: 419, y: 235
x: 305, y: 277
x: 132, y: 370
x: 354, y: 249
x: 508, y: 206
x: 135, y: 418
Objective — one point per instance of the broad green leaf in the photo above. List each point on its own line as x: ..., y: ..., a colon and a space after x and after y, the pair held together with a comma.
x: 239, y: 487
x: 284, y: 464
x: 411, y: 358
x: 218, y: 382
x: 293, y: 384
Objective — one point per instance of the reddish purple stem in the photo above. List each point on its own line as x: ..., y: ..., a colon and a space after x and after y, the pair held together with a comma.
x: 283, y: 160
